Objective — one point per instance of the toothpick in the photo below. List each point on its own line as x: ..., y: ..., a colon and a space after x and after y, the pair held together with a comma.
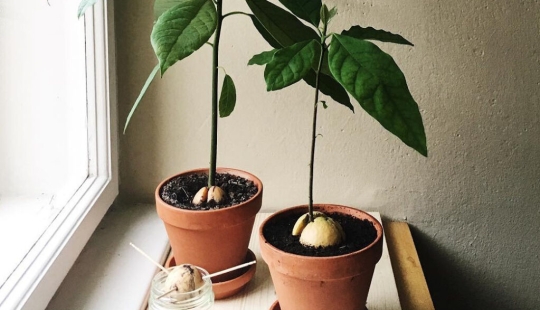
x: 229, y: 270
x: 149, y: 258
x: 167, y: 293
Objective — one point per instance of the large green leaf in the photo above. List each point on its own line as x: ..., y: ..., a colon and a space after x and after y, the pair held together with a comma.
x: 370, y: 33
x: 262, y: 58
x: 290, y: 64
x: 139, y: 98
x: 330, y: 87
x: 308, y: 10
x: 161, y: 6
x: 284, y: 27
x: 227, y: 100
x: 264, y: 33
x: 182, y: 30
x: 83, y: 5
x: 373, y: 78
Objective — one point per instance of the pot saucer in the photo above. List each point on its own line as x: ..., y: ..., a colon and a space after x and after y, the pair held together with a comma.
x: 228, y: 288
x: 275, y: 306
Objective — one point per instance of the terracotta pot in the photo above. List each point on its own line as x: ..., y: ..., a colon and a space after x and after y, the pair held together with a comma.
x: 215, y: 239
x: 321, y: 283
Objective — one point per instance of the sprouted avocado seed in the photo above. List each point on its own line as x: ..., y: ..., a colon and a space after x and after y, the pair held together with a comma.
x: 201, y: 196
x: 205, y: 195
x: 303, y: 221
x: 216, y: 193
x: 323, y: 231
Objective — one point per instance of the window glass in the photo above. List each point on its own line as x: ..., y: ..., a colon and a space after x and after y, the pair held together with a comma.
x: 43, y: 120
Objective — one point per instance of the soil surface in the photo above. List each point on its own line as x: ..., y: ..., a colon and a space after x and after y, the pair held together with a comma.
x: 179, y: 191
x: 359, y: 234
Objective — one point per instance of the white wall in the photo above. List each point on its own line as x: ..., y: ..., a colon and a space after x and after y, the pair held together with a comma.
x: 474, y: 203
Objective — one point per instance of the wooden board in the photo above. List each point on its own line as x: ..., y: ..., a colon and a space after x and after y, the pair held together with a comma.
x: 412, y: 288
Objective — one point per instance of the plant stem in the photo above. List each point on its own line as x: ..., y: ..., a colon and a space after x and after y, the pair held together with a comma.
x: 314, y: 132
x: 235, y: 13
x: 215, y: 69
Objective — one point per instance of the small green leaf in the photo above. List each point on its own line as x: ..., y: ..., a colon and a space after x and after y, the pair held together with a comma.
x: 330, y: 87
x: 160, y: 6
x: 290, y: 64
x: 139, y: 98
x: 182, y: 30
x: 307, y: 10
x: 327, y: 15
x: 373, y: 78
x: 262, y: 58
x: 284, y: 27
x: 370, y: 33
x: 85, y: 4
x: 324, y: 105
x: 227, y: 99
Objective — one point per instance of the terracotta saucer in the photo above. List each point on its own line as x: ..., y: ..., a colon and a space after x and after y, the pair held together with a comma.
x: 275, y: 306
x: 228, y: 288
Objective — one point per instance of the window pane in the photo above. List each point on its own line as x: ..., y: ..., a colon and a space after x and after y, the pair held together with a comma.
x: 43, y: 116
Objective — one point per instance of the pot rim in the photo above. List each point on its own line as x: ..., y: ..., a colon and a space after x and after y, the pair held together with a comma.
x: 318, y: 258
x: 166, y: 205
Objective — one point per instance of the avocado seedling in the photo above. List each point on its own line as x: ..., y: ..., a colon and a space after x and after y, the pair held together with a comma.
x: 181, y: 28
x: 338, y: 65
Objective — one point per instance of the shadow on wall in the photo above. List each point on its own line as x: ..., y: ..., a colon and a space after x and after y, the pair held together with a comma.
x: 454, y: 284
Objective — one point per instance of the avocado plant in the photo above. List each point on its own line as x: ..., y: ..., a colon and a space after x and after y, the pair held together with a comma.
x: 182, y: 27
x: 335, y: 64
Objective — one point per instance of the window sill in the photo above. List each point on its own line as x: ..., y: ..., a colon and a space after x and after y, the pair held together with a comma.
x: 109, y: 274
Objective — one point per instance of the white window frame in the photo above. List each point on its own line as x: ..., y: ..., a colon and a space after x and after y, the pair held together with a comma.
x: 41, y: 272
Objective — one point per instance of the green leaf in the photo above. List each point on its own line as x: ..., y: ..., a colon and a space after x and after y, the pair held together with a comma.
x: 139, y: 98
x: 264, y: 33
x: 227, y: 99
x: 85, y: 4
x: 373, y: 78
x: 370, y: 33
x: 284, y: 27
x: 262, y: 58
x: 330, y: 87
x: 161, y: 6
x: 182, y: 30
x: 290, y: 64
x: 327, y: 15
x: 307, y: 10
x: 327, y: 84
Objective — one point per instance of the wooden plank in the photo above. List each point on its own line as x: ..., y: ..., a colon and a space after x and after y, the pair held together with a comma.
x: 411, y: 283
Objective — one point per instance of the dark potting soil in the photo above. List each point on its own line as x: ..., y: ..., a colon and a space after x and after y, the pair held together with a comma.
x: 359, y: 234
x: 179, y: 191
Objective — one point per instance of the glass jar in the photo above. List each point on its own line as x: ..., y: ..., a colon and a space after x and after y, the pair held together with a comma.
x: 199, y: 299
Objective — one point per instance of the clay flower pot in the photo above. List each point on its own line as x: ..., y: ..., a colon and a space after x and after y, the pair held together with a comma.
x: 321, y: 283
x: 215, y: 239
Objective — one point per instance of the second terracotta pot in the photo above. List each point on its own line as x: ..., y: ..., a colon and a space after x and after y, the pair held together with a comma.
x: 321, y: 283
x: 215, y: 239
